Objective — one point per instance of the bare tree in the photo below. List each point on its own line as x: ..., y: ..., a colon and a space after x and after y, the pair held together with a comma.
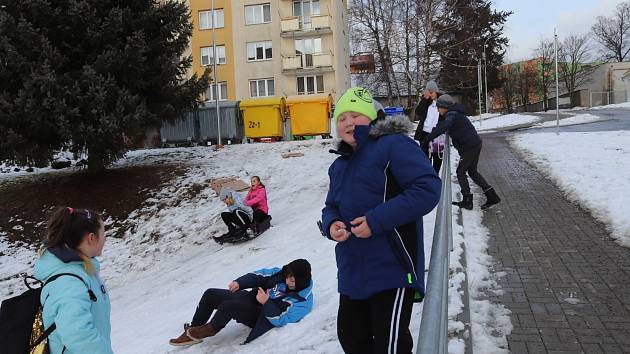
x: 545, y: 76
x: 613, y: 33
x: 574, y: 63
x: 429, y: 12
x: 508, y: 74
x: 400, y: 33
x: 525, y: 75
x: 372, y: 22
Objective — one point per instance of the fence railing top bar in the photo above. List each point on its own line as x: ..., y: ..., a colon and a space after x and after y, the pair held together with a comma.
x: 432, y: 338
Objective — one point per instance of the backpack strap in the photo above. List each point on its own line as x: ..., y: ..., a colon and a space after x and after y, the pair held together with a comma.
x: 44, y: 335
x: 56, y: 276
x: 53, y: 326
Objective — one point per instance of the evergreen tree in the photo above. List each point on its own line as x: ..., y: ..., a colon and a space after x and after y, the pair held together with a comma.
x: 467, y: 26
x: 83, y: 75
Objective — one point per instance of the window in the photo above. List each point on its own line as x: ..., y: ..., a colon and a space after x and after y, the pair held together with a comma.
x: 211, y: 90
x: 205, y: 19
x: 305, y: 48
x: 259, y: 51
x: 304, y: 9
x: 261, y: 88
x: 310, y: 84
x: 255, y: 14
x: 206, y: 55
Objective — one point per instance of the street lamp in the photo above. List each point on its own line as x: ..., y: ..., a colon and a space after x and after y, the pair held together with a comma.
x: 479, y: 87
x: 216, y: 77
x: 555, y: 45
x: 485, y: 75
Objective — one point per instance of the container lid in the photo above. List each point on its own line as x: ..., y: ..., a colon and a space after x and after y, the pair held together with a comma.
x: 258, y: 102
x: 323, y: 98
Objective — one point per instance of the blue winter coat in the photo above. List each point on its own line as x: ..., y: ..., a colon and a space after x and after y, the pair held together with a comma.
x: 83, y: 326
x: 389, y: 180
x: 283, y: 305
x: 459, y: 128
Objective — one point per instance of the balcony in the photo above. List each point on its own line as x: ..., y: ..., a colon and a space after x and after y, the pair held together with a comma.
x: 295, y: 26
x: 307, y: 64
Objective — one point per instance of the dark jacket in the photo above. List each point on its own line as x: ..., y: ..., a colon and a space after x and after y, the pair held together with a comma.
x: 389, y: 180
x: 459, y: 128
x: 284, y: 306
x: 421, y: 116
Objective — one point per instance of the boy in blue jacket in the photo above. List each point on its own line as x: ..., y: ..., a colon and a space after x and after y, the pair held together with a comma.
x: 278, y: 296
x: 468, y: 144
x: 380, y: 187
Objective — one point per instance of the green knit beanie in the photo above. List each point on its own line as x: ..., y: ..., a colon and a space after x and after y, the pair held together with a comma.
x: 356, y: 99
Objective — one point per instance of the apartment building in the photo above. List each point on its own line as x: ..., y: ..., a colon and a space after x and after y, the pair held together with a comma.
x: 273, y: 47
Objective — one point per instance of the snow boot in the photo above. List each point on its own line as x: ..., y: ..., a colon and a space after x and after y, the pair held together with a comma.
x: 466, y: 203
x: 201, y: 332
x: 226, y: 237
x: 184, y: 339
x: 492, y: 198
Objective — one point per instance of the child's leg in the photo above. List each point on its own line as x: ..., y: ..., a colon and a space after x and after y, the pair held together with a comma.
x: 437, y: 162
x: 259, y: 216
x: 353, y: 326
x: 230, y: 219
x: 243, y: 310
x: 210, y: 301
x: 390, y: 315
x: 241, y: 219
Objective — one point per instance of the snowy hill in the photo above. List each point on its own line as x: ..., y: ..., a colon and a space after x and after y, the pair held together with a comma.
x: 157, y: 272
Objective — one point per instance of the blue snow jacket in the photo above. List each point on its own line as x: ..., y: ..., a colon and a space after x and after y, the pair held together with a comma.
x: 389, y: 180
x: 83, y: 325
x: 283, y: 306
x: 459, y: 128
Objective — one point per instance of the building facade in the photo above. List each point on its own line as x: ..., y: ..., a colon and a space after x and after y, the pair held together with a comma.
x: 273, y: 47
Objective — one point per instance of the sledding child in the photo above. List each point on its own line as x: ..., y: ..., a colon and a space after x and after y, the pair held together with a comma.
x: 278, y: 296
x: 256, y: 198
x: 77, y: 302
x: 380, y: 187
x: 239, y: 216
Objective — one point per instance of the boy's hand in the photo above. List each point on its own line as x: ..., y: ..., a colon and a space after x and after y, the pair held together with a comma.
x: 262, y: 296
x: 360, y: 227
x: 233, y: 287
x: 338, y: 231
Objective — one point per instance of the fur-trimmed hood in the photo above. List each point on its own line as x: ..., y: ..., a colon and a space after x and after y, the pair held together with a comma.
x: 395, y: 125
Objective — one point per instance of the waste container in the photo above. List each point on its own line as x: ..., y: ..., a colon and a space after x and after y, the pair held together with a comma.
x: 392, y: 111
x: 310, y: 114
x: 180, y: 131
x: 231, y: 122
x: 263, y: 117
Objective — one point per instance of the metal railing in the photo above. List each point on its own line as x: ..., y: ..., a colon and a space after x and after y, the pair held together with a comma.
x: 433, y: 335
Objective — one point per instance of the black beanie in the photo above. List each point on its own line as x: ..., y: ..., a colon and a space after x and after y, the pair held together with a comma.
x: 301, y: 271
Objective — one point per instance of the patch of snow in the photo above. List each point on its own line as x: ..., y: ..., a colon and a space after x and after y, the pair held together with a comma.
x: 504, y: 121
x: 595, y: 175
x: 615, y: 105
x: 578, y: 119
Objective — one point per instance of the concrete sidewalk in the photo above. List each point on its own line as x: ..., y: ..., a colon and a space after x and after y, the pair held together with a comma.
x: 567, y: 282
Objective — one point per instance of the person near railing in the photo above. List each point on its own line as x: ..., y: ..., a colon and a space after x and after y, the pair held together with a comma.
x: 427, y: 116
x: 468, y: 144
x: 381, y: 186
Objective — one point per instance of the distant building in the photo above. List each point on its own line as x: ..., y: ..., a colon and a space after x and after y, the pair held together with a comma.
x: 274, y: 47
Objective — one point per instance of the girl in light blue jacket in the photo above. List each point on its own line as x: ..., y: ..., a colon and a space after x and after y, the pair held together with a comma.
x: 78, y: 302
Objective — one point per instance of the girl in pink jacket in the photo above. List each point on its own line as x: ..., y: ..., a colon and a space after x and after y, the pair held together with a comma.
x: 257, y: 199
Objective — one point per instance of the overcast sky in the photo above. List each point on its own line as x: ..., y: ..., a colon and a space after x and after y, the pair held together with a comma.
x: 534, y: 19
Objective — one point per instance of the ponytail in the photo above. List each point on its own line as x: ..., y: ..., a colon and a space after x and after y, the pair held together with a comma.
x: 68, y: 227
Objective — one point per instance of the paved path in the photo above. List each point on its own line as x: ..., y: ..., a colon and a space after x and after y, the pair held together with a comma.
x: 567, y: 282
